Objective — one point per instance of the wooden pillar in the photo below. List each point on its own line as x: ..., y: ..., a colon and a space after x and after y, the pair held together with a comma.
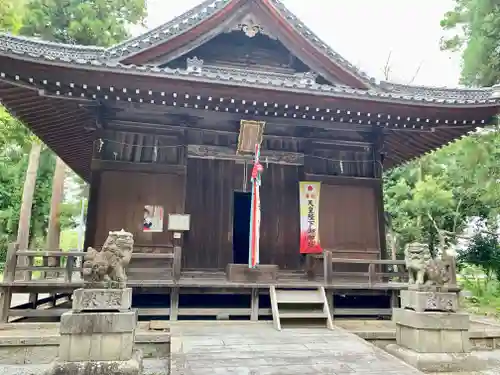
x: 174, y: 303
x: 5, y: 301
x: 327, y: 267
x: 23, y: 231
x: 176, y: 266
x: 330, y: 297
x: 378, y: 144
x: 54, y: 229
x: 9, y: 276
x: 395, y: 298
x: 92, y: 210
x: 379, y: 196
x: 254, y: 315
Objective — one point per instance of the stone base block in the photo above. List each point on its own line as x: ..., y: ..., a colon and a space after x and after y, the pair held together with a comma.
x: 131, y: 367
x: 421, y: 301
x: 96, y: 347
x: 241, y: 273
x: 431, y: 320
x: 102, y: 299
x: 106, y: 322
x: 433, y: 341
x: 432, y: 332
x: 438, y: 362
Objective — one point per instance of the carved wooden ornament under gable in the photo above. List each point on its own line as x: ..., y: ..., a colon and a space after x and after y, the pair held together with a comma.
x: 250, y: 25
x: 251, y: 134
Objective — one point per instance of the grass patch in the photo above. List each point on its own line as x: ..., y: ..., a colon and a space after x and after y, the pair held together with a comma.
x: 484, y: 293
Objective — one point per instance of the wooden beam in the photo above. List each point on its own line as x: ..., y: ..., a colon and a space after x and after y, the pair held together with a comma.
x: 143, y: 127
x: 212, y: 116
x: 227, y: 153
x: 112, y: 165
x: 92, y: 210
x: 341, y: 180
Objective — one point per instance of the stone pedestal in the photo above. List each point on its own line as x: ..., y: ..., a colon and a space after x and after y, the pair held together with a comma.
x: 429, y: 301
x: 430, y: 335
x: 97, y: 336
x: 432, y: 332
x: 102, y: 300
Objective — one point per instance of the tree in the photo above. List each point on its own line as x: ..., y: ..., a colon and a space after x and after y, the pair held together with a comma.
x: 91, y: 22
x: 11, y: 15
x: 483, y: 251
x: 476, y: 27
x: 437, y: 195
x: 101, y: 23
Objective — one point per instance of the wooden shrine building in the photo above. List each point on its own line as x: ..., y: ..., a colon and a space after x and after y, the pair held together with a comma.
x: 158, y: 126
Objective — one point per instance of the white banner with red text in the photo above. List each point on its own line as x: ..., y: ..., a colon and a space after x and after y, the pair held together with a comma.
x: 309, y: 217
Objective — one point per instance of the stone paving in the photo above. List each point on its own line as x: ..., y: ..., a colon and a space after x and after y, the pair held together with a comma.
x: 258, y: 349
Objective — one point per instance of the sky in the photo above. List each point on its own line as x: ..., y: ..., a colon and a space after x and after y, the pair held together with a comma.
x: 366, y: 32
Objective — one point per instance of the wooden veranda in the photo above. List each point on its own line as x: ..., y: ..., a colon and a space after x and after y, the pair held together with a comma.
x: 375, y: 277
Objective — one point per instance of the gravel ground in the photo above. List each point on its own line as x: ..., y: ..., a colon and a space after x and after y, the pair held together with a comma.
x: 151, y: 367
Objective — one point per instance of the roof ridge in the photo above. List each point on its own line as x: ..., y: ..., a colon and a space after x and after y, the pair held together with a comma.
x: 324, y: 47
x: 40, y: 42
x: 388, y: 84
x: 211, y: 7
x: 123, y: 49
x: 36, y: 46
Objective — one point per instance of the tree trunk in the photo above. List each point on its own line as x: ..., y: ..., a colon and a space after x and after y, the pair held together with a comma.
x: 23, y: 231
x: 394, y: 255
x: 54, y: 230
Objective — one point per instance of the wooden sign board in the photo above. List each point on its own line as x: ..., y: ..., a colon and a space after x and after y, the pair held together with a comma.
x: 179, y: 222
x: 251, y: 134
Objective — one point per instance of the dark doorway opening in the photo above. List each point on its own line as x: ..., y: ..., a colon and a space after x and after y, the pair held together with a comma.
x: 241, y: 226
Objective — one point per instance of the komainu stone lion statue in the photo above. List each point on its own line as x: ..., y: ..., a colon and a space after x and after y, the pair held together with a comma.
x: 423, y: 269
x: 108, y: 265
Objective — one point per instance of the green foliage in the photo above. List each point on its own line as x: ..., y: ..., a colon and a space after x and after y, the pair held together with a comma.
x: 440, y: 192
x: 476, y: 26
x: 483, y: 252
x: 89, y: 22
x: 11, y: 15
x: 12, y: 173
x: 69, y: 239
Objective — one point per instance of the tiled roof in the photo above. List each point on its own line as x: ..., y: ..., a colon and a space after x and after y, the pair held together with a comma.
x: 438, y: 92
x: 79, y: 56
x: 169, y: 30
x: 48, y: 50
x: 299, y: 82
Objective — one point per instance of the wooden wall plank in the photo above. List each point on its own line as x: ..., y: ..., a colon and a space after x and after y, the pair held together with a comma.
x: 209, y: 200
x: 280, y: 222
x: 122, y: 197
x: 348, y: 217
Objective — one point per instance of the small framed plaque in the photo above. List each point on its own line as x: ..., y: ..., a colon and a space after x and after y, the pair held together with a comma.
x: 179, y: 222
x: 251, y: 134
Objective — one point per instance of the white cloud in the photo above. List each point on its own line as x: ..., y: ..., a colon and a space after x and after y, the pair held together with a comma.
x: 365, y: 32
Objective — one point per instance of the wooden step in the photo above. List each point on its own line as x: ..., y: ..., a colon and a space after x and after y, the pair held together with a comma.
x: 302, y: 314
x: 298, y: 296
x: 285, y: 305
